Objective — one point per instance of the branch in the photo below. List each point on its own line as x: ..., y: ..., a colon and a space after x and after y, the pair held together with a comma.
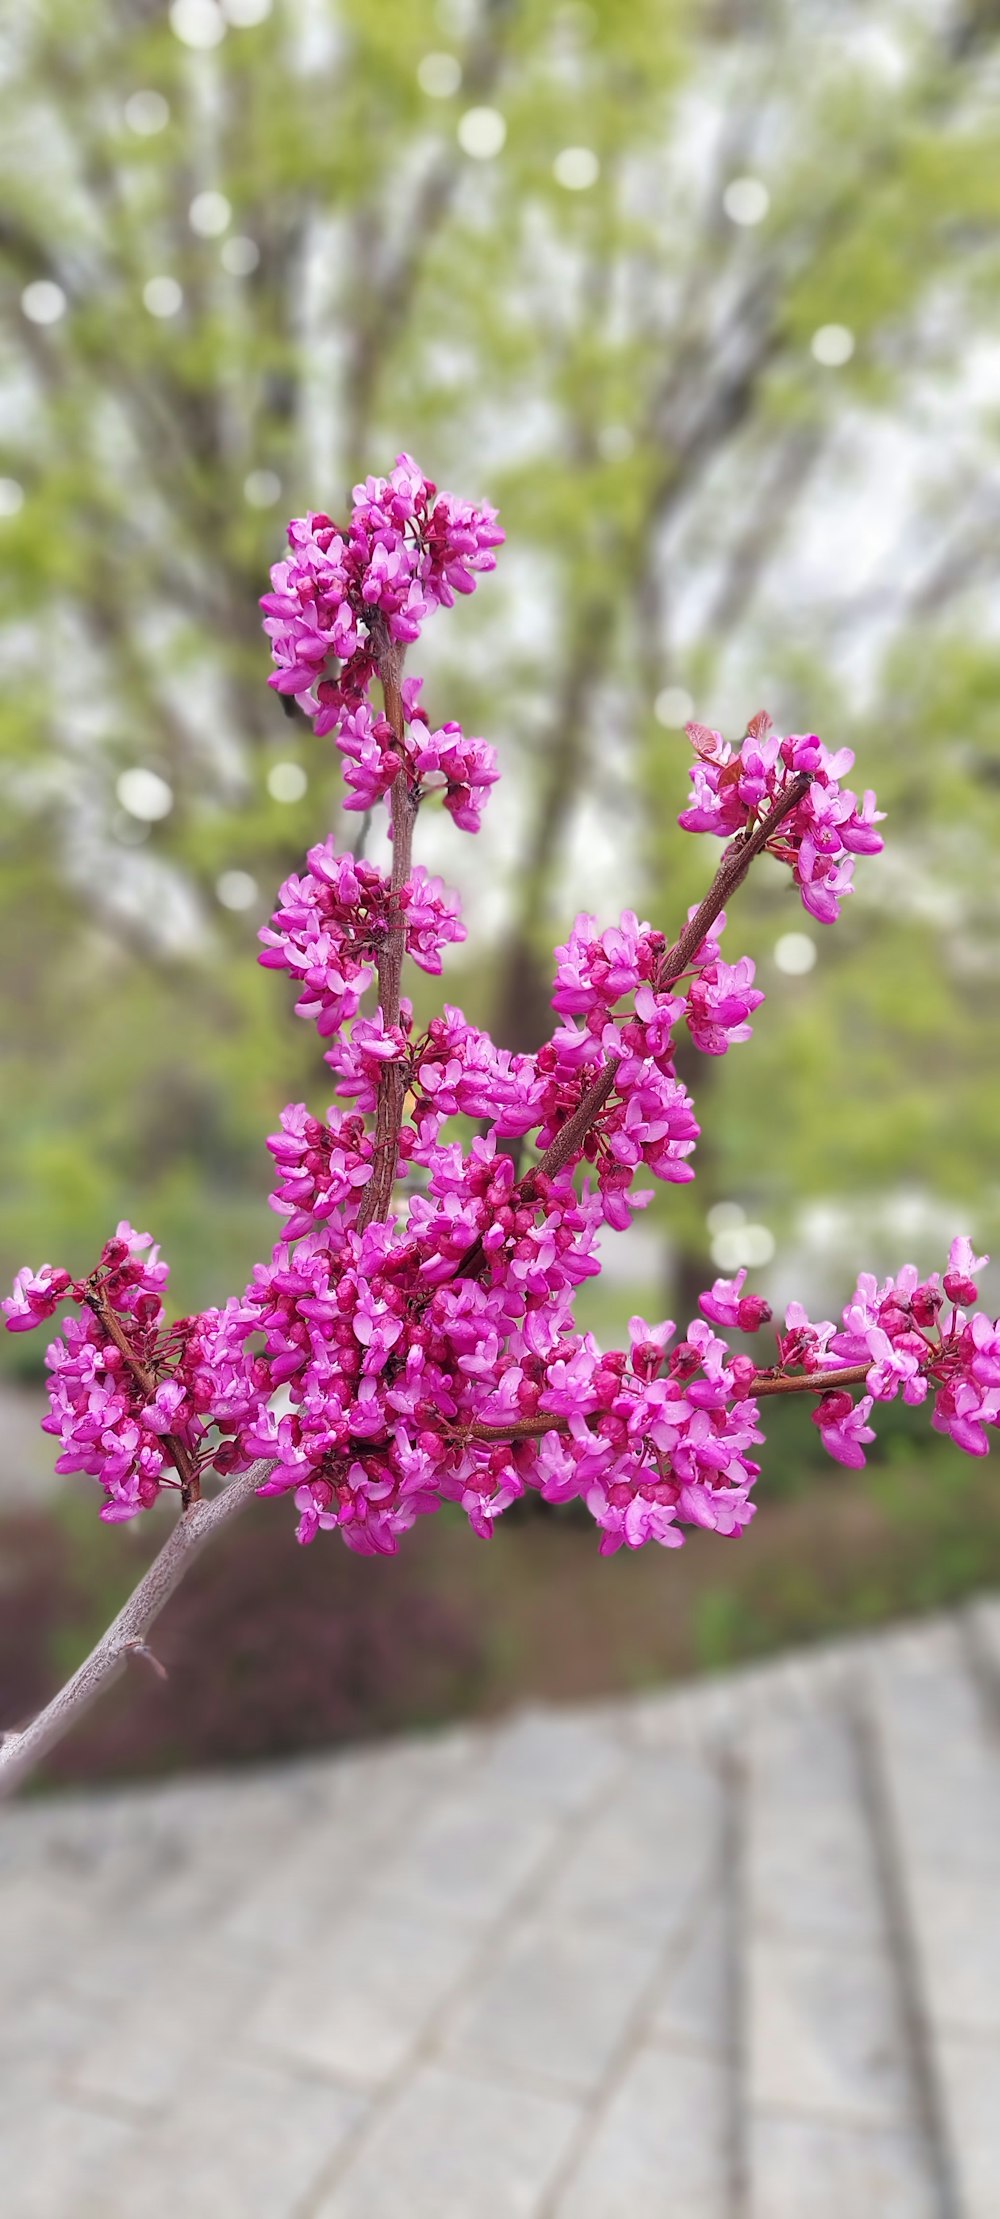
x: 21, y: 1752
x: 181, y: 1458
x: 731, y: 872
x: 792, y: 1383
x: 377, y: 1195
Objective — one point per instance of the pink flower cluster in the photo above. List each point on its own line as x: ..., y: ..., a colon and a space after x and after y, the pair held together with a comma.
x: 386, y: 1360
x: 823, y: 833
x: 596, y: 970
x: 341, y: 596
x: 332, y: 924
x: 462, y: 770
x: 115, y: 1418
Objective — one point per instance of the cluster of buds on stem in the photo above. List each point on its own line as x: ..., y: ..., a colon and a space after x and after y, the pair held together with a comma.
x: 411, y: 1340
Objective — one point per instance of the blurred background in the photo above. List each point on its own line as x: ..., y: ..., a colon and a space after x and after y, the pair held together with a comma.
x: 705, y: 298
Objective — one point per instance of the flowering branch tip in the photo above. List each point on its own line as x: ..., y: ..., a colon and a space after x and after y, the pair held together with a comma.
x: 411, y: 1339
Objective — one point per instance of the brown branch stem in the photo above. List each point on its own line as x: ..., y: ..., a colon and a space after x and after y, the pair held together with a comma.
x: 20, y: 1752
x: 180, y: 1457
x: 791, y: 1383
x: 732, y: 870
x: 377, y: 1195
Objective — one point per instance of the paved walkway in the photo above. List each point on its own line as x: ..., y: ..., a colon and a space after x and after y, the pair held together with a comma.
x: 726, y: 1953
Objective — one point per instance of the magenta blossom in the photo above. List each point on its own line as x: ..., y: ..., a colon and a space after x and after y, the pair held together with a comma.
x: 411, y: 1340
x: 843, y: 1427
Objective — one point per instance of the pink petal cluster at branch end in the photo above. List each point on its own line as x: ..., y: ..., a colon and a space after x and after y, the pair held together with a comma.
x: 823, y: 833
x: 343, y: 595
x: 916, y: 1339
x: 108, y: 1422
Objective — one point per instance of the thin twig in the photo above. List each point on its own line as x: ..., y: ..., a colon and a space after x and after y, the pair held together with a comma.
x: 21, y: 1752
x: 792, y: 1383
x: 181, y: 1457
x: 377, y: 1195
x: 732, y: 870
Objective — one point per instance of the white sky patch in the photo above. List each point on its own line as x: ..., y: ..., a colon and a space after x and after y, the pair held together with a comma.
x: 236, y: 890
x: 210, y: 214
x: 162, y: 296
x: 795, y: 954
x: 43, y: 301
x: 146, y: 113
x: 746, y: 201
x: 673, y: 708
x: 576, y: 168
x: 262, y: 489
x: 287, y: 782
x: 832, y: 345
x: 198, y: 23
x: 439, y: 75
x: 144, y: 794
x: 481, y: 133
x: 239, y: 256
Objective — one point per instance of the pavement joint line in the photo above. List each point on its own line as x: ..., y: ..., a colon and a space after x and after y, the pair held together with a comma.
x: 904, y: 1953
x: 636, y: 2037
x: 427, y: 2048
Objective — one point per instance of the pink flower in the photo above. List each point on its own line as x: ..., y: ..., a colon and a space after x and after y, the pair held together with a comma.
x: 818, y: 838
x: 963, y: 1268
x: 726, y: 1305
x: 35, y: 1297
x: 720, y: 999
x: 843, y: 1426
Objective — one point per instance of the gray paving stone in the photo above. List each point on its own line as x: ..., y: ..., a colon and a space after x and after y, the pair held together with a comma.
x: 41, y: 1927
x: 957, y: 1921
x: 694, y: 2001
x: 969, y: 2076
x: 556, y: 2005
x: 43, y: 2033
x: 279, y: 1908
x: 939, y: 1759
x: 558, y: 1760
x: 939, y: 1750
x: 452, y: 2147
x: 194, y: 2005
x: 55, y: 2160
x: 469, y: 1857
x: 983, y: 1620
x: 663, y: 2148
x: 810, y: 1862
x: 643, y: 1861
x: 811, y: 2169
x: 525, y: 1972
x: 707, y: 1714
x: 825, y: 2035
x: 356, y: 2003
x: 247, y: 2142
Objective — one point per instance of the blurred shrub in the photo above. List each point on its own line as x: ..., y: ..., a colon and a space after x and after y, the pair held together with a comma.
x: 272, y: 1649
x: 268, y: 1648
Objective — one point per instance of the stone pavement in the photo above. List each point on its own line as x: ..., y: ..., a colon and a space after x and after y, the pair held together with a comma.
x: 730, y: 1952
